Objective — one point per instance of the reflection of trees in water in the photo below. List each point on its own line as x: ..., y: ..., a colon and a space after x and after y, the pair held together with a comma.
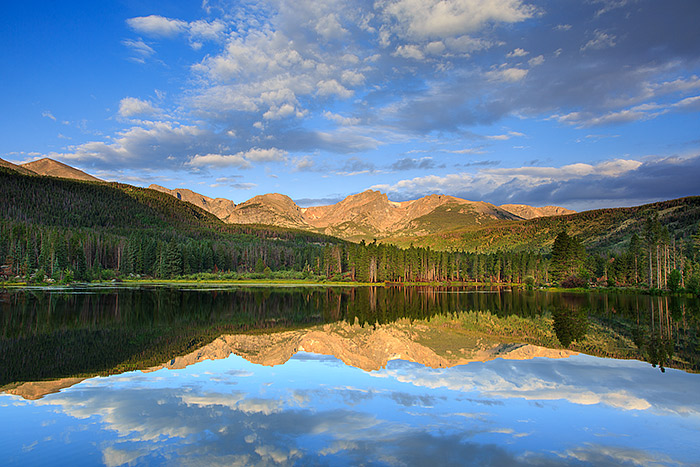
x: 659, y: 344
x: 570, y: 324
x: 127, y: 323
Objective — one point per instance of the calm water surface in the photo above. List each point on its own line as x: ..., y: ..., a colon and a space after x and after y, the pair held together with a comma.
x: 268, y: 376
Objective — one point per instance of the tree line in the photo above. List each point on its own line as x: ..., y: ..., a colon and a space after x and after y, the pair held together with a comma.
x: 73, y: 230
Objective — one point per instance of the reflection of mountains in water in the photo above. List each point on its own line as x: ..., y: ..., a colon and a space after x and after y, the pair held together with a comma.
x: 368, y: 348
x: 46, y: 335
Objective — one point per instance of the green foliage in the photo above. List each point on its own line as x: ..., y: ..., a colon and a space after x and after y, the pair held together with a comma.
x: 530, y: 282
x: 570, y: 325
x: 568, y: 255
x: 603, y: 230
x: 674, y: 280
x: 692, y: 285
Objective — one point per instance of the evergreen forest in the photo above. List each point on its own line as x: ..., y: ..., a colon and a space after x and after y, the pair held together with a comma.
x: 64, y: 230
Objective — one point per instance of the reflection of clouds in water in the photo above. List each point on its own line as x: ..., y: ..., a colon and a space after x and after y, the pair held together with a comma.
x: 596, y: 454
x: 355, y: 421
x: 239, y: 373
x: 210, y: 426
x: 583, y: 380
x: 409, y: 400
x: 113, y: 457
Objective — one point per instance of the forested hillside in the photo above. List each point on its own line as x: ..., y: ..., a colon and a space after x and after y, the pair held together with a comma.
x: 61, y: 226
x: 599, y: 230
x: 79, y: 230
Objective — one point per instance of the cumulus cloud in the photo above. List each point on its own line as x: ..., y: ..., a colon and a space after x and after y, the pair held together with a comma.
x: 241, y: 160
x: 340, y: 120
x: 130, y: 106
x: 157, y: 25
x: 154, y: 144
x: 580, y: 186
x: 517, y: 53
x: 439, y: 19
x: 409, y: 51
x: 511, y: 75
x: 391, y: 71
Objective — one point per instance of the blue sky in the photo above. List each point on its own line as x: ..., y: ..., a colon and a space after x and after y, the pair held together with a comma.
x: 582, y: 104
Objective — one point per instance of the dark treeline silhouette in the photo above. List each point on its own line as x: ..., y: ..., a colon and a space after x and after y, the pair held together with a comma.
x: 57, y: 333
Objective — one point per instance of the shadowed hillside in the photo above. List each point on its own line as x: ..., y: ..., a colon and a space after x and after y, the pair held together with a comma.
x: 602, y: 229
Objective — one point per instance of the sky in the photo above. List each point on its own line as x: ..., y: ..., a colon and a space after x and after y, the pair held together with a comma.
x: 581, y: 104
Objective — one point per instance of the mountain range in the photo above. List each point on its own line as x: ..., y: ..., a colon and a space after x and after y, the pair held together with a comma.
x: 439, y: 221
x: 51, y: 168
x: 365, y: 216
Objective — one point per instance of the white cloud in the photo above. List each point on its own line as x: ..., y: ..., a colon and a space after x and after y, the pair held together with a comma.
x: 409, y: 51
x: 283, y: 111
x: 303, y: 163
x: 510, y: 75
x: 597, y: 454
x: 466, y: 44
x: 265, y: 155
x: 435, y: 47
x: 241, y: 160
x: 152, y: 144
x: 517, y: 53
x: 155, y: 25
x: 113, y: 457
x: 601, y: 40
x: 536, y: 61
x: 329, y: 27
x: 130, y: 106
x: 489, y: 180
x: 505, y: 137
x: 439, y: 19
x: 48, y: 114
x: 352, y: 78
x: 219, y: 160
x: 340, y: 120
x: 333, y: 87
x: 207, y: 30
x: 140, y: 49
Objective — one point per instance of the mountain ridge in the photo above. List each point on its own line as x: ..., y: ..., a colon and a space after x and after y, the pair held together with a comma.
x: 367, y: 215
x: 51, y: 168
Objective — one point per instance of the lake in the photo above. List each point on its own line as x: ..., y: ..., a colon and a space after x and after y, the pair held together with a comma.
x: 225, y: 375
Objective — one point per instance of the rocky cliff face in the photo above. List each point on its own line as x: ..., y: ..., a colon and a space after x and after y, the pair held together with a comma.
x: 270, y: 209
x: 367, y: 215
x: 220, y: 207
x: 531, y: 212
